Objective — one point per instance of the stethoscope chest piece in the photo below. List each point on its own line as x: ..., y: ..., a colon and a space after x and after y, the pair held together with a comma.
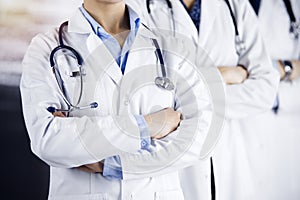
x: 239, y: 45
x: 164, y: 83
x: 295, y: 29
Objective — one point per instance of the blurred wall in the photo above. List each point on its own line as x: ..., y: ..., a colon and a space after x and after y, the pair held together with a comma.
x: 19, y: 22
x: 23, y: 175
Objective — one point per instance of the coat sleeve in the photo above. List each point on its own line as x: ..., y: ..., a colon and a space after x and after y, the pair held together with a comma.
x: 182, y: 147
x: 71, y: 141
x: 289, y: 96
x: 257, y: 93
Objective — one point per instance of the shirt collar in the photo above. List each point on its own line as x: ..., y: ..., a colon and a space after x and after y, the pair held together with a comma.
x: 99, y: 30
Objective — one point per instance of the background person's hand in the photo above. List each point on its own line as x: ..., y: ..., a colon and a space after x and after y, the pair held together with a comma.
x: 58, y: 114
x: 162, y: 123
x: 233, y: 75
x: 296, y: 69
x: 92, y: 168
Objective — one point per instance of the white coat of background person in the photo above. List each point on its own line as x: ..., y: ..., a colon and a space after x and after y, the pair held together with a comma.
x: 248, y: 93
x: 274, y: 157
x: 88, y: 136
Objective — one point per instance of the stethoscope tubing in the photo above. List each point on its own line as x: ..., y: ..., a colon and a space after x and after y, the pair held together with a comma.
x: 294, y: 25
x: 57, y: 75
x: 162, y: 82
x: 240, y: 44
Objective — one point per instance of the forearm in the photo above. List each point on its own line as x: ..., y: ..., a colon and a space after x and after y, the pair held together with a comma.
x: 170, y: 154
x: 74, y: 141
x: 257, y: 93
x: 289, y: 96
x: 249, y: 98
x: 183, y: 147
x: 233, y: 74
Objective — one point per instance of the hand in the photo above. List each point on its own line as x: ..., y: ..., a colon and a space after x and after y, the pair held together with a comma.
x: 296, y: 69
x: 233, y: 75
x: 58, y: 114
x: 92, y: 168
x: 162, y: 123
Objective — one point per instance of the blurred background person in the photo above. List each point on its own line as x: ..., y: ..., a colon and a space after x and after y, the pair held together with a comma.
x: 228, y: 31
x: 274, y: 157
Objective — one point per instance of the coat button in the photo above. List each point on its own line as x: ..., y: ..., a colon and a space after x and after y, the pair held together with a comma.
x: 144, y: 144
x: 126, y: 102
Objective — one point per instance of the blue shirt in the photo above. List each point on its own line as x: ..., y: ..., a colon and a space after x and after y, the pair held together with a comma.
x: 195, y: 12
x: 255, y: 4
x: 112, y: 166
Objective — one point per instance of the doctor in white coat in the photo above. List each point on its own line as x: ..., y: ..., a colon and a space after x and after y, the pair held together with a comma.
x: 113, y: 148
x: 251, y: 84
x: 275, y: 157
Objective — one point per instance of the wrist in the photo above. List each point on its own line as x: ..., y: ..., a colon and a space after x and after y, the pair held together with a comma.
x: 287, y: 67
x: 243, y: 73
x: 296, y: 69
x: 148, y: 120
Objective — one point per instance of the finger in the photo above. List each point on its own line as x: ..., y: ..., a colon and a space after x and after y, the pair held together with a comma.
x: 178, y: 115
x: 58, y: 114
x: 85, y: 169
x: 96, y: 167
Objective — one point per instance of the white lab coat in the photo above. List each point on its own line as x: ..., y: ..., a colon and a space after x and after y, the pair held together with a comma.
x: 89, y: 136
x: 274, y: 154
x: 255, y: 95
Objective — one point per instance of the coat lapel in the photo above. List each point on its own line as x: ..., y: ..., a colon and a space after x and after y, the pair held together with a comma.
x: 98, y: 55
x: 102, y: 58
x: 142, y: 51
x: 184, y: 26
x: 209, y: 11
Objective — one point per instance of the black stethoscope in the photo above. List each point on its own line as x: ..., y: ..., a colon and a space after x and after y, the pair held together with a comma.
x: 160, y: 81
x: 170, y: 8
x: 239, y: 43
x: 294, y: 25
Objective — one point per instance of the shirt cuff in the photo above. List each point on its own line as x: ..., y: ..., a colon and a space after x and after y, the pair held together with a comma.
x: 112, y: 168
x: 275, y: 64
x: 144, y: 133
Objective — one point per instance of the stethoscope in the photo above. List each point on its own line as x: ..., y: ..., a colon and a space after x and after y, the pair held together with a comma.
x: 239, y: 42
x: 170, y: 8
x: 240, y: 46
x: 294, y: 25
x: 160, y: 81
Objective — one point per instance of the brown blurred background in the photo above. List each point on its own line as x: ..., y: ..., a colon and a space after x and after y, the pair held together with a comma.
x: 23, y: 175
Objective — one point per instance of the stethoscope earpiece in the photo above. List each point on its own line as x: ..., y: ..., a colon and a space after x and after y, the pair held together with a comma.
x: 164, y: 83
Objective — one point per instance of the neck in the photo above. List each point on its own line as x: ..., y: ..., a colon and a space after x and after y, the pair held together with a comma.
x: 189, y: 3
x: 112, y: 16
